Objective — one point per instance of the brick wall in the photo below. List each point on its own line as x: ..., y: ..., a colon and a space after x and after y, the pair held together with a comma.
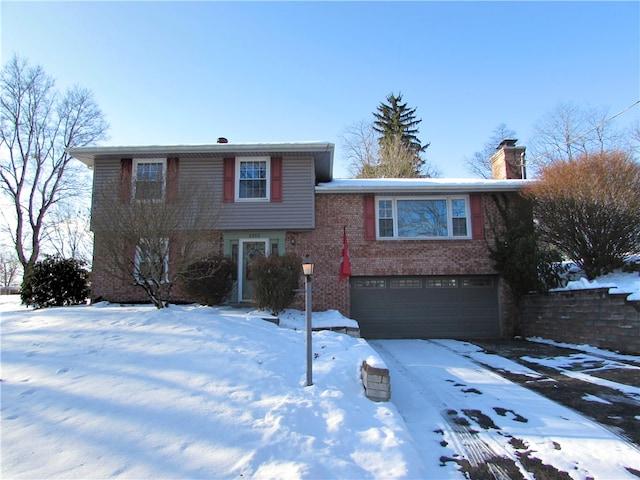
x: 592, y: 317
x: 109, y: 282
x: 388, y: 257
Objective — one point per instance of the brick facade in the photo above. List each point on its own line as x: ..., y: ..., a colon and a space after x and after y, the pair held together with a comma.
x: 386, y: 257
x: 110, y: 280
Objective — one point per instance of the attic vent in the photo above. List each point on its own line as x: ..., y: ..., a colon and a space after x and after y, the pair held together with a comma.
x: 222, y: 140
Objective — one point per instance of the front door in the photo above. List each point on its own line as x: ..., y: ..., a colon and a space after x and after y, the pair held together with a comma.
x: 249, y: 249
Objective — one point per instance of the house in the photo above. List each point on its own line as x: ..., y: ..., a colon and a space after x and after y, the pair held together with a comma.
x: 418, y: 249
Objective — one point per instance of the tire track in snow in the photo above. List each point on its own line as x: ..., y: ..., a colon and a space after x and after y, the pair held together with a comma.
x: 481, y: 453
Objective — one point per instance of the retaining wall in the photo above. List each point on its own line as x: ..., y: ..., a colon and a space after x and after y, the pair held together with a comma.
x: 594, y: 317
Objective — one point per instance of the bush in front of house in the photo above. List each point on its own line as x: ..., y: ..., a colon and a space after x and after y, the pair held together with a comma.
x: 55, y: 282
x: 210, y: 280
x: 275, y: 280
x: 589, y: 209
x: 520, y: 257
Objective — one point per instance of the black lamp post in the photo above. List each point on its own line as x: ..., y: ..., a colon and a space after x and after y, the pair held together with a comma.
x: 307, y: 270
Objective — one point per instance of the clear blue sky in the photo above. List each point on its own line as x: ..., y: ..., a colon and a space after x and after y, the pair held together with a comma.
x: 190, y: 72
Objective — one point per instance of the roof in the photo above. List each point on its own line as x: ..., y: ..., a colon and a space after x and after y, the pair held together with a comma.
x: 423, y: 185
x: 322, y: 152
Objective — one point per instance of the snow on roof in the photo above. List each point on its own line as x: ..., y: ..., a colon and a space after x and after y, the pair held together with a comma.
x: 321, y: 151
x: 431, y: 185
x: 88, y: 154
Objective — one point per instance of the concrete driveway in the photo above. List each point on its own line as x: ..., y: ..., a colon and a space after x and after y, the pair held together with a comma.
x: 473, y: 409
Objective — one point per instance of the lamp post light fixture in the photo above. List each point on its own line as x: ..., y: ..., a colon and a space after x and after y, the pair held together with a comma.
x: 307, y: 270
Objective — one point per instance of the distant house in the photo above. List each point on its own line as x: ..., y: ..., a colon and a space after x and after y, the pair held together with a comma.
x: 418, y: 250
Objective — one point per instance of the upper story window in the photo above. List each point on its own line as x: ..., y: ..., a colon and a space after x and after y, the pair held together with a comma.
x: 253, y: 178
x: 149, y: 179
x: 423, y: 217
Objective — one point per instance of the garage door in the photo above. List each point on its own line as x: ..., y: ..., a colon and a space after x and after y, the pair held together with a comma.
x: 426, y: 307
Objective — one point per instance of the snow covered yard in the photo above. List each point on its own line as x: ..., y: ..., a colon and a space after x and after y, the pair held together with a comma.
x: 188, y: 392
x: 196, y: 392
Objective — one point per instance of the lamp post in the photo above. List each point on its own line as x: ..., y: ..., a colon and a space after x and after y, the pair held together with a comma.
x: 307, y: 270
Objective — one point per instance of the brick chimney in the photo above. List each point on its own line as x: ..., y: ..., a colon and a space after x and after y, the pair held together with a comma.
x: 508, y: 162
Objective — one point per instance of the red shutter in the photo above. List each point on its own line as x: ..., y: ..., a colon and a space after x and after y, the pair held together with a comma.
x: 126, y: 171
x: 477, y: 216
x: 276, y: 179
x: 228, y: 174
x: 369, y: 217
x: 172, y: 180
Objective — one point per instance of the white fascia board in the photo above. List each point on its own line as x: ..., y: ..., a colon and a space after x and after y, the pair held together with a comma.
x: 87, y: 155
x: 428, y: 185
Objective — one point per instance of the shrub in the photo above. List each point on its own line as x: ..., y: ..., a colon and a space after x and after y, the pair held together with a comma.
x: 209, y: 281
x: 589, y: 209
x: 55, y: 282
x: 525, y: 263
x: 275, y: 280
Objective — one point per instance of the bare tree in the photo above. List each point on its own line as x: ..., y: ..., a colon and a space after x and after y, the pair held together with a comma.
x: 479, y: 163
x: 634, y: 136
x: 360, y: 141
x: 571, y: 130
x: 37, y: 125
x: 150, y: 244
x: 67, y: 233
x: 9, y: 269
x: 369, y: 158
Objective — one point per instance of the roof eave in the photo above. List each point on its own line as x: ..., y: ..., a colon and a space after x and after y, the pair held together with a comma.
x: 324, y: 165
x: 499, y: 186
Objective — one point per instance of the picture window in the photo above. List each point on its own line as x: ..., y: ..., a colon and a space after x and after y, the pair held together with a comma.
x: 423, y: 217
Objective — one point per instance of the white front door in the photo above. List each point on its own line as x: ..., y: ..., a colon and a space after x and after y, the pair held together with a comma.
x: 249, y: 249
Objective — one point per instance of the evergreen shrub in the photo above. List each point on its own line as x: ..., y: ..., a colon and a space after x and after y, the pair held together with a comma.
x: 275, y: 280
x: 55, y: 282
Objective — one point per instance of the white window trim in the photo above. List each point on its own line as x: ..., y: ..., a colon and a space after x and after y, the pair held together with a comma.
x: 138, y: 258
x: 448, y: 198
x: 268, y: 179
x: 138, y: 161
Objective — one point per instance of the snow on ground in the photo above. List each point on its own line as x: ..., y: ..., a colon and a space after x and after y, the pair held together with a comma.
x: 437, y: 390
x: 617, y: 281
x: 197, y: 392
x: 188, y: 392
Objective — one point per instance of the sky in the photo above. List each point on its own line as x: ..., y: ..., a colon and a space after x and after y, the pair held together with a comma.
x: 190, y: 72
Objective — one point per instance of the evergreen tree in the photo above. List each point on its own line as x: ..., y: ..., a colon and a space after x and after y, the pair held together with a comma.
x: 395, y: 119
x: 397, y: 126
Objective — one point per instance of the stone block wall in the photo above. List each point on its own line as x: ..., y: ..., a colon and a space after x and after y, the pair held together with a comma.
x: 376, y: 381
x: 594, y: 317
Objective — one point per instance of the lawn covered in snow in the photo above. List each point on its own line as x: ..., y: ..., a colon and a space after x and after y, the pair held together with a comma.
x: 110, y: 391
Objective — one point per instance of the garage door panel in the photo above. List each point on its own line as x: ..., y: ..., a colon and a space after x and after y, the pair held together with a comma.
x: 444, y: 311
x: 426, y: 307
